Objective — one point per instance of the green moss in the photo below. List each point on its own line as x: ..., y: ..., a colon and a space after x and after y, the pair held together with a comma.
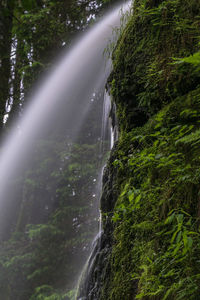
x: 156, y: 215
x: 143, y: 76
x: 156, y: 250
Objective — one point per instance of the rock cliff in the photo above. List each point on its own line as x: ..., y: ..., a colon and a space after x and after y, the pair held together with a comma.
x: 150, y: 204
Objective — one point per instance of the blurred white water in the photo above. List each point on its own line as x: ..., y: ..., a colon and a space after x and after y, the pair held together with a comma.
x: 61, y: 103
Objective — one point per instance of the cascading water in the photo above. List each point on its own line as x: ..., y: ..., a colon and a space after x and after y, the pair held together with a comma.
x: 83, y: 287
x: 110, y: 119
x: 57, y: 111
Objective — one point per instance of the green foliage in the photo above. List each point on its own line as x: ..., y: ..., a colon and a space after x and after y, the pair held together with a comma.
x: 35, y: 31
x: 144, y: 76
x: 117, y: 31
x: 42, y: 231
x: 56, y: 222
x: 156, y: 249
x: 46, y: 292
x: 193, y: 59
x: 156, y: 216
x: 28, y: 4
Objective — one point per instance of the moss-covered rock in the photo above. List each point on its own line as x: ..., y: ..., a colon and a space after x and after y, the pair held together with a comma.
x: 144, y: 78
x: 155, y: 249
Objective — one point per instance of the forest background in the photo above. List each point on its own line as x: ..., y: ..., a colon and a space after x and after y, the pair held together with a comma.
x: 47, y: 234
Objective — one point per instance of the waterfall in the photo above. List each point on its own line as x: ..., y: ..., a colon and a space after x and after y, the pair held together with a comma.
x: 87, y: 288
x: 58, y: 110
x: 57, y: 103
x: 106, y: 140
x: 110, y: 119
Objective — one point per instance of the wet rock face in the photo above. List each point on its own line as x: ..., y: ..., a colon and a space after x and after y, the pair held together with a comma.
x: 98, y: 272
x: 99, y: 269
x: 110, y: 191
